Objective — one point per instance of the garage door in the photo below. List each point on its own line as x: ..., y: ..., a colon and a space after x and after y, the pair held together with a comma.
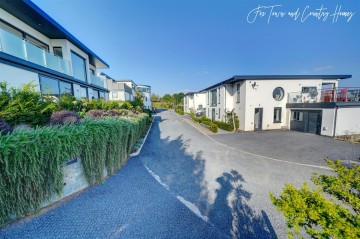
x: 308, y: 121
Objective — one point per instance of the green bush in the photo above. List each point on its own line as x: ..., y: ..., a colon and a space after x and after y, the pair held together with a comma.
x: 319, y: 216
x: 224, y: 126
x: 31, y: 160
x: 213, y: 126
x: 230, y: 117
x: 179, y: 111
x: 25, y: 106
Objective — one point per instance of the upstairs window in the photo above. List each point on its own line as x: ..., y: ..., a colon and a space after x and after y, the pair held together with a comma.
x: 238, y: 93
x: 11, y: 29
x: 78, y: 67
x: 213, y: 98
x: 218, y: 95
x: 58, y: 51
x: 37, y: 43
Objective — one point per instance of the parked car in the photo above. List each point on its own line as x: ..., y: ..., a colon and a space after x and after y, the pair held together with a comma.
x: 200, y: 112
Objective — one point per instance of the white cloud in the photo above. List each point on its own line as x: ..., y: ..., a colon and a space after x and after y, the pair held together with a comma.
x: 323, y: 68
x: 201, y: 73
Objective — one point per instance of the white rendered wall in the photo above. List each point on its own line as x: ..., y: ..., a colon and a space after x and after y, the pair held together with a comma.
x: 16, y: 77
x: 347, y: 121
x: 261, y: 96
x: 327, y: 122
x: 147, y: 100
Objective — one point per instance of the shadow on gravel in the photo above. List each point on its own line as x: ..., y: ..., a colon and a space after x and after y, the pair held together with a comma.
x: 231, y: 213
x: 183, y: 173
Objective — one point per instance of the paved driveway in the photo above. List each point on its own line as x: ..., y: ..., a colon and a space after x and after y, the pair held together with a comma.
x: 185, y: 184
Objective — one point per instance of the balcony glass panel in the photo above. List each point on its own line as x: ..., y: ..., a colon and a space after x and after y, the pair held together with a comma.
x: 57, y: 64
x: 35, y: 54
x: 95, y: 80
x: 12, y: 44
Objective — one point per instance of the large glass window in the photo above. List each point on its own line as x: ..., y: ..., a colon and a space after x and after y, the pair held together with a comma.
x: 79, y: 67
x: 102, y: 94
x: 96, y: 94
x: 65, y: 87
x: 37, y: 43
x: 11, y: 29
x: 213, y: 97
x: 51, y: 86
x: 83, y: 92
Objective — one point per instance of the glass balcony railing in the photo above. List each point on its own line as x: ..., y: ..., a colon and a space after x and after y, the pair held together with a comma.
x: 16, y: 46
x: 96, y: 80
x: 348, y: 94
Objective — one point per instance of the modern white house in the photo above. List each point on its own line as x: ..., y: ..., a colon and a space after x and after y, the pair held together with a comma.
x: 35, y: 48
x: 194, y: 101
x: 306, y: 103
x: 146, y: 91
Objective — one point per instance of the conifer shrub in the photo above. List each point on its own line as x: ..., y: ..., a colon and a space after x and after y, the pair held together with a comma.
x: 308, y: 211
x: 31, y: 161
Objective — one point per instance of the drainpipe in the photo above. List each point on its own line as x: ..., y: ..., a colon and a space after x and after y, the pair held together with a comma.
x: 336, y: 109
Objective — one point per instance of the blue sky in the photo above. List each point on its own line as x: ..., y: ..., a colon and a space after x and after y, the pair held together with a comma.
x: 187, y: 45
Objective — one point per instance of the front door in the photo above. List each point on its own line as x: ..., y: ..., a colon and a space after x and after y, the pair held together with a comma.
x: 258, y: 119
x: 314, y: 122
x: 213, y: 114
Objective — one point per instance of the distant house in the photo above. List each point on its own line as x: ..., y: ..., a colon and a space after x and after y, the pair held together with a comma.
x: 119, y: 90
x: 146, y: 91
x: 307, y: 103
x: 35, y: 48
x: 194, y: 101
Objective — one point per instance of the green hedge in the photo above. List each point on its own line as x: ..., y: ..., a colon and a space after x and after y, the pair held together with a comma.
x: 203, y: 120
x: 31, y: 161
x: 179, y: 111
x: 224, y: 126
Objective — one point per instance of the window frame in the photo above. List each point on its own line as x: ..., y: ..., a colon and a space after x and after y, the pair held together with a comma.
x: 58, y: 47
x: 297, y: 115
x: 277, y: 109
x: 85, y: 66
x: 213, y: 99
x: 238, y: 92
x: 281, y: 90
x: 218, y: 99
x: 43, y: 91
x: 86, y: 90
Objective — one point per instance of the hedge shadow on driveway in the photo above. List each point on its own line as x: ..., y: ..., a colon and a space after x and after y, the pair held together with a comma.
x: 183, y: 174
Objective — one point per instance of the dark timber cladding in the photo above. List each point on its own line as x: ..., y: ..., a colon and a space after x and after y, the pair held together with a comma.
x: 308, y: 121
